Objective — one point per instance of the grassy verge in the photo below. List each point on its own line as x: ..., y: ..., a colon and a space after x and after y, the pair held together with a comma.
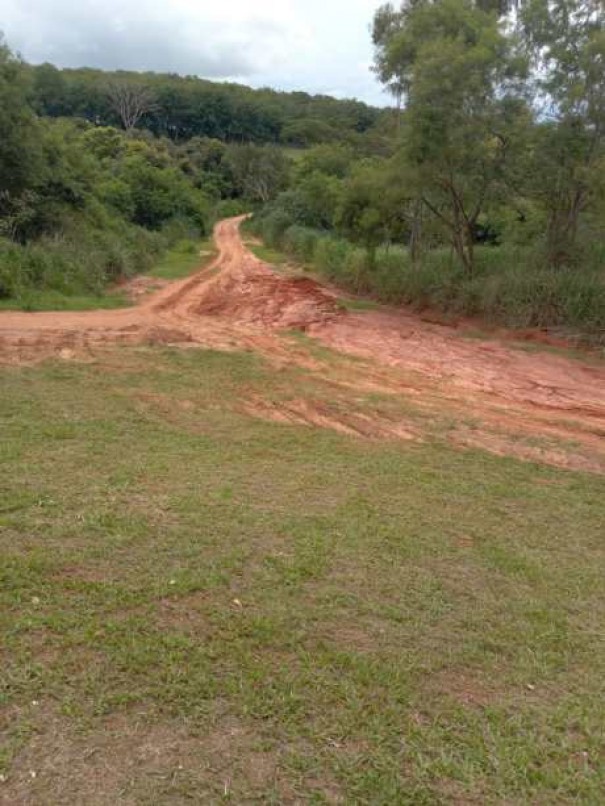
x: 510, y: 287
x: 183, y: 259
x: 40, y: 300
x: 200, y: 606
x: 268, y: 254
x: 177, y: 262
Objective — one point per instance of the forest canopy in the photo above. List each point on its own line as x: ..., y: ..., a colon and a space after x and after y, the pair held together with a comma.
x: 181, y: 107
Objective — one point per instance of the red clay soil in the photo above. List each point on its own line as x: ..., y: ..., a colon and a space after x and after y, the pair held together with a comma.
x: 239, y: 301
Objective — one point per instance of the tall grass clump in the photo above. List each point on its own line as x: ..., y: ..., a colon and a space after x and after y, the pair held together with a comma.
x: 300, y: 242
x: 78, y: 261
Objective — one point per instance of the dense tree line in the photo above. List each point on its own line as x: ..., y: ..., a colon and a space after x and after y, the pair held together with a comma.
x: 491, y: 199
x: 184, y: 107
x: 83, y: 204
x: 481, y: 192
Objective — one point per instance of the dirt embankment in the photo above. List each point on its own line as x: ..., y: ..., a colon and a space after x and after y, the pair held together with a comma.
x: 240, y: 302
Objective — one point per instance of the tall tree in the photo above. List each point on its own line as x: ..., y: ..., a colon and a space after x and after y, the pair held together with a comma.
x: 259, y: 172
x: 130, y: 102
x: 566, y: 42
x: 18, y: 142
x: 455, y: 67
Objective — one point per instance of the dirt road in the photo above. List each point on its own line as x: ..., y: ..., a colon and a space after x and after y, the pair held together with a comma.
x: 499, y: 396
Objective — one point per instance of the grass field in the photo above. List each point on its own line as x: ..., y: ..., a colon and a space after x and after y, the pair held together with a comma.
x: 198, y: 606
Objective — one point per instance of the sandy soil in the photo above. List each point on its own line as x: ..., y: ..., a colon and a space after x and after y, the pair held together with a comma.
x: 240, y: 302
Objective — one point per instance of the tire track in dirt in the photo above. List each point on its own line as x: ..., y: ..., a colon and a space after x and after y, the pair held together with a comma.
x: 240, y: 302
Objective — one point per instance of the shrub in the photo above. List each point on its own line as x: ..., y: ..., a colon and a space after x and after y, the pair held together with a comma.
x: 228, y: 208
x: 82, y: 260
x: 358, y: 269
x: 300, y: 242
x: 273, y: 226
x: 330, y: 258
x: 511, y: 285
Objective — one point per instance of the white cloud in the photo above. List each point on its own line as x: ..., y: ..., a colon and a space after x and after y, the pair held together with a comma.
x: 313, y: 45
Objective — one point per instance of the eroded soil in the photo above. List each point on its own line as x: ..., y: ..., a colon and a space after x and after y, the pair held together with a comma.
x: 537, y: 405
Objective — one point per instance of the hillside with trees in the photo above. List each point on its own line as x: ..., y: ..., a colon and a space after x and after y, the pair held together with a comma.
x: 181, y: 107
x: 481, y: 193
x: 491, y: 201
x: 83, y: 204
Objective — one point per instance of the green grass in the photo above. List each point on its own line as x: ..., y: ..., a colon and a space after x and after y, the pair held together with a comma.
x: 268, y: 254
x: 34, y: 300
x: 359, y: 304
x: 178, y: 262
x: 183, y: 259
x: 199, y: 606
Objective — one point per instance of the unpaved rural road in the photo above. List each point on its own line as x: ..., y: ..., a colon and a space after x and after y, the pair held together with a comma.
x: 512, y: 396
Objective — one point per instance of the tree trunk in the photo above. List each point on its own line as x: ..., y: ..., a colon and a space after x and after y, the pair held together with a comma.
x: 462, y: 232
x: 463, y: 246
x: 470, y: 246
x: 416, y: 233
x: 563, y: 229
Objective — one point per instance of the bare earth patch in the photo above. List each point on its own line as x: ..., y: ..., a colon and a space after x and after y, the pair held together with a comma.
x: 129, y: 759
x: 239, y: 302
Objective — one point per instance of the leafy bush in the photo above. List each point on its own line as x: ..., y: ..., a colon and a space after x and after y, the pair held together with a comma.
x: 228, y: 208
x: 300, y: 242
x: 102, y: 207
x: 330, y: 258
x: 80, y: 262
x: 273, y: 226
x: 510, y: 286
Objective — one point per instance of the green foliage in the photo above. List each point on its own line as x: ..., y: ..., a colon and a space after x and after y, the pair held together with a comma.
x: 333, y: 160
x: 159, y: 194
x: 307, y: 132
x: 259, y: 172
x: 300, y: 242
x: 509, y: 286
x: 82, y: 260
x: 19, y: 145
x: 186, y: 107
x: 82, y: 205
x: 565, y: 40
x: 471, y: 197
x: 185, y: 256
x: 227, y: 208
x: 483, y: 204
x: 455, y: 67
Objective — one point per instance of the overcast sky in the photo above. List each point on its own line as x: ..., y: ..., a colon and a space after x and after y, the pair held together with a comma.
x: 314, y: 45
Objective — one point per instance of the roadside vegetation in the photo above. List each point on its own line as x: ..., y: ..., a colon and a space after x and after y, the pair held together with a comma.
x: 481, y: 193
x: 198, y: 604
x: 490, y: 201
x: 182, y: 259
x: 84, y: 206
